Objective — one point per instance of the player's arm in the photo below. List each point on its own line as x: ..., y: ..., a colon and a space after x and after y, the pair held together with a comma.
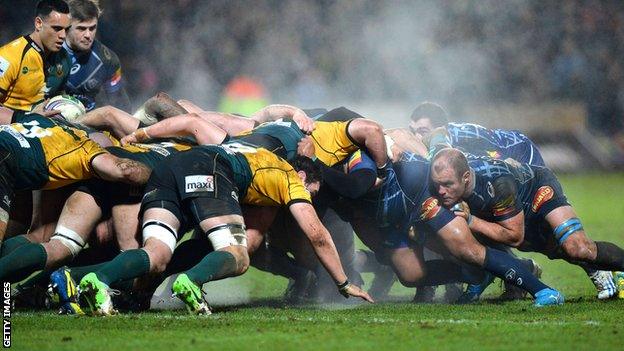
x: 112, y: 119
x: 114, y: 87
x: 275, y: 112
x: 404, y: 141
x: 8, y: 74
x: 368, y: 133
x: 324, y: 247
x: 190, y: 124
x: 6, y: 115
x: 508, y: 227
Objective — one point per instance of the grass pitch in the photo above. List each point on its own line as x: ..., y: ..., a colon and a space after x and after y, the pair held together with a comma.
x: 259, y: 321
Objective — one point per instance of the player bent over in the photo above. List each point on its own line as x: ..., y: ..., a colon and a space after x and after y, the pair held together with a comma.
x: 521, y: 206
x: 202, y: 187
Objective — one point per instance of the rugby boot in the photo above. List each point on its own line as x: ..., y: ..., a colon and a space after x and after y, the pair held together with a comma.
x: 513, y: 292
x: 96, y: 296
x: 603, y: 280
x: 424, y: 294
x: 474, y: 291
x: 382, y: 282
x: 29, y: 297
x: 191, y: 294
x: 298, y: 289
x: 618, y: 278
x: 64, y: 287
x: 548, y: 297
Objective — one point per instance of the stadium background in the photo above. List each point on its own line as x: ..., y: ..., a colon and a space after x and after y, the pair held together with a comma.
x: 551, y: 69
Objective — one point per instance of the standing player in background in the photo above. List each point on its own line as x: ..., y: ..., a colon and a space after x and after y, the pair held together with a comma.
x: 35, y: 66
x: 95, y: 76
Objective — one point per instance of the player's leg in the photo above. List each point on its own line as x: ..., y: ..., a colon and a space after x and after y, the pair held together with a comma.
x: 599, y: 257
x: 463, y: 246
x: 78, y: 217
x: 112, y: 119
x: 126, y: 226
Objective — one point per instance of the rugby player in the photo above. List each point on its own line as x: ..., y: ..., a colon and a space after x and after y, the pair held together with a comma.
x: 35, y: 66
x: 95, y: 77
x: 41, y: 153
x: 520, y: 206
x: 204, y: 190
x: 430, y: 121
x: 404, y: 203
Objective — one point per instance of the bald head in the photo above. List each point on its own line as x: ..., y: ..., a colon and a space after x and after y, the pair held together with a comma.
x: 450, y: 175
x: 452, y: 158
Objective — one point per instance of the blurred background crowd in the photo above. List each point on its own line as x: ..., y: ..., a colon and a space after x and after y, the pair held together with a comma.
x: 323, y: 53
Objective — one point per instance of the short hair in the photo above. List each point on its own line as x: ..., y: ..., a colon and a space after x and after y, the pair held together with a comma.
x: 311, y: 169
x: 451, y: 158
x: 436, y: 113
x: 83, y: 10
x: 45, y: 7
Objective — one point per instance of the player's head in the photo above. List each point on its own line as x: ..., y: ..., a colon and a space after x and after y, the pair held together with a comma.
x: 450, y: 175
x: 309, y: 172
x: 84, y: 21
x: 426, y: 117
x: 51, y: 23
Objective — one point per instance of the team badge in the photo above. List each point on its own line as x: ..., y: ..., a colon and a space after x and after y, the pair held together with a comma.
x: 24, y: 70
x: 199, y: 183
x: 542, y: 196
x: 59, y: 70
x: 429, y: 209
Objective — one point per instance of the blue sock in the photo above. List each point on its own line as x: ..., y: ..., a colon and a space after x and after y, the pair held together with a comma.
x: 512, y: 270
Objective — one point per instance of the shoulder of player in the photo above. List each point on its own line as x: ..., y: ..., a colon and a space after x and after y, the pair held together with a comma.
x: 105, y: 53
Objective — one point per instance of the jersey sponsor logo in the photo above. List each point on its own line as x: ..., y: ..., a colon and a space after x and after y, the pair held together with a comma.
x: 75, y: 68
x: 4, y: 66
x: 15, y: 134
x: 199, y: 183
x: 92, y: 83
x: 542, y: 196
x: 429, y: 209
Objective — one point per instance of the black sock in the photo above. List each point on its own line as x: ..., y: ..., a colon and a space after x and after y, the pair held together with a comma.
x: 609, y: 257
x: 186, y: 255
x: 512, y: 270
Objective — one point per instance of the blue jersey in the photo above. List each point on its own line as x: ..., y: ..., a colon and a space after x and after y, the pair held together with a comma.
x: 503, y: 190
x: 494, y: 143
x: 405, y: 199
x: 95, y: 78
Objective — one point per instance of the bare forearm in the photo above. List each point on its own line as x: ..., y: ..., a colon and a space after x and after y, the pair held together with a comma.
x: 328, y: 255
x: 495, y: 231
x: 274, y: 112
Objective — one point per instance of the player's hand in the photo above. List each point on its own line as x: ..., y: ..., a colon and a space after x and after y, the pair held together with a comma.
x: 129, y: 139
x: 305, y: 123
x: 305, y: 147
x: 462, y: 210
x: 356, y: 291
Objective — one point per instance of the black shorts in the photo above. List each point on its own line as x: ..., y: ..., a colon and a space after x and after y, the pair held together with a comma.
x: 194, y: 185
x: 546, y: 195
x: 109, y: 194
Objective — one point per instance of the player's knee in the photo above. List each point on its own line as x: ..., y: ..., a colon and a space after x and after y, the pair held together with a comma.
x: 69, y: 238
x: 410, y: 278
x: 159, y: 241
